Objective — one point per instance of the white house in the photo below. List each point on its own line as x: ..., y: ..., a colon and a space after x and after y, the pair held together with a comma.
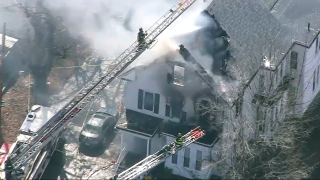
x: 161, y: 100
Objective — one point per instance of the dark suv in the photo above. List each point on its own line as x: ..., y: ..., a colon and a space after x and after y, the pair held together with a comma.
x: 96, y: 128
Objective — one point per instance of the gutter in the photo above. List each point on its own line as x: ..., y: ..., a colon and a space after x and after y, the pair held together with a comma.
x: 196, y: 142
x: 136, y: 132
x: 295, y: 42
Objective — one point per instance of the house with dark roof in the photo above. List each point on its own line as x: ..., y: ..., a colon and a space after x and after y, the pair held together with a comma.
x: 276, y: 53
x: 167, y: 97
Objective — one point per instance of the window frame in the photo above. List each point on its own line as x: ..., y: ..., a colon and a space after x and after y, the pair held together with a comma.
x: 294, y: 59
x: 314, y: 80
x: 143, y: 95
x: 186, y: 157
x: 174, y: 158
x: 198, y: 165
x: 318, y: 69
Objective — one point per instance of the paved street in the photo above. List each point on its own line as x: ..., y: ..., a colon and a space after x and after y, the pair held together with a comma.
x: 70, y: 161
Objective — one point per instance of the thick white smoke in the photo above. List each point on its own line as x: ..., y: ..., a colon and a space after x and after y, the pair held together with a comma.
x: 119, y: 21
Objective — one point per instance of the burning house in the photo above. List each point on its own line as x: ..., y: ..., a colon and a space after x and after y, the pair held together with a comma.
x: 167, y: 97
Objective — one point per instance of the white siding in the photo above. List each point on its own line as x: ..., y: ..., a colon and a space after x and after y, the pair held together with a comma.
x: 134, y: 143
x: 310, y: 66
x: 191, y: 171
x: 153, y: 79
x: 156, y: 143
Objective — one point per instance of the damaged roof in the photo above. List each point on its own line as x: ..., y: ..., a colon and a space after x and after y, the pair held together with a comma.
x: 173, y: 129
x: 254, y: 32
x: 139, y: 123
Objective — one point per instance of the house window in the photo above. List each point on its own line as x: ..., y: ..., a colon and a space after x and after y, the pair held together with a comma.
x: 186, y: 160
x: 148, y: 101
x: 276, y: 114
x: 294, y: 60
x: 174, y: 158
x: 168, y: 110
x: 199, y: 160
x: 261, y: 83
x: 318, y: 74
x: 239, y: 107
x: 276, y: 76
x: 317, y: 44
x: 261, y: 121
x: 183, y: 116
x: 140, y: 99
x: 314, y: 80
x: 156, y: 103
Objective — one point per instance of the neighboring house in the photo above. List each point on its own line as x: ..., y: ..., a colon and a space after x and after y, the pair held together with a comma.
x: 15, y: 60
x: 162, y: 99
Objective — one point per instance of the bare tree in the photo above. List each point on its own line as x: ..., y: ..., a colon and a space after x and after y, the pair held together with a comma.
x: 50, y: 42
x: 263, y: 134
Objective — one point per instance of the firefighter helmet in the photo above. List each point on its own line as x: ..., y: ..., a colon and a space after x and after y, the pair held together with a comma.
x: 140, y: 29
x: 179, y: 135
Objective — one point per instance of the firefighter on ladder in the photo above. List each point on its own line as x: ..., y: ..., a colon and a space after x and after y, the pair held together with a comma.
x: 141, y: 38
x: 8, y: 169
x: 179, y: 141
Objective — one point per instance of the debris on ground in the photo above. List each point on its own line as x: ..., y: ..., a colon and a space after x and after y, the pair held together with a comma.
x: 14, y: 111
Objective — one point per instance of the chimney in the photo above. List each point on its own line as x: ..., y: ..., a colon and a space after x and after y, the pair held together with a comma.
x: 308, y: 27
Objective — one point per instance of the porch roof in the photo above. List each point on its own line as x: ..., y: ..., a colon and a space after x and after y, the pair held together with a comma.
x: 139, y: 123
x: 173, y: 129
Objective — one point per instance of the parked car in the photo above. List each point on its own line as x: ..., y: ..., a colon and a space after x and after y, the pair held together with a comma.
x: 96, y: 129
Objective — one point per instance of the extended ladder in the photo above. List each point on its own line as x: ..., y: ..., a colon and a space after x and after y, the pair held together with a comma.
x: 63, y: 117
x: 155, y: 159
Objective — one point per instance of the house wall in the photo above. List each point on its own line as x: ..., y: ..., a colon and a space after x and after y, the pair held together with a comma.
x: 153, y: 79
x: 156, y: 143
x: 191, y: 171
x: 134, y: 143
x: 310, y: 87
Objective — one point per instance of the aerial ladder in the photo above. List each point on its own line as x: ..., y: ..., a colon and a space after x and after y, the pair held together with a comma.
x: 63, y: 117
x: 155, y: 159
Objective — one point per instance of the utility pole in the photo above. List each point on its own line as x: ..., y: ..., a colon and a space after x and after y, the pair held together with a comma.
x: 3, y: 53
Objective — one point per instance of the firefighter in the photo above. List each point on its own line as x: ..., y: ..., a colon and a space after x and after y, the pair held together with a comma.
x: 141, y: 37
x: 165, y: 149
x: 179, y: 141
x: 8, y: 168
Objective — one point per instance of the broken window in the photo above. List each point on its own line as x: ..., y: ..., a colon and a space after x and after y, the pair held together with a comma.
x: 186, y: 159
x: 174, y: 158
x: 156, y: 103
x: 183, y: 116
x: 199, y: 160
x: 178, y: 75
x: 148, y: 101
x: 294, y: 60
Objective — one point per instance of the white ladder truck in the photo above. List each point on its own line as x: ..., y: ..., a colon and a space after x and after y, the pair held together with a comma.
x: 63, y: 117
x: 155, y: 159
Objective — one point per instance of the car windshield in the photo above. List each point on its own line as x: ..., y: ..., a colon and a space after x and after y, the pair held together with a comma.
x: 111, y: 111
x: 92, y: 129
